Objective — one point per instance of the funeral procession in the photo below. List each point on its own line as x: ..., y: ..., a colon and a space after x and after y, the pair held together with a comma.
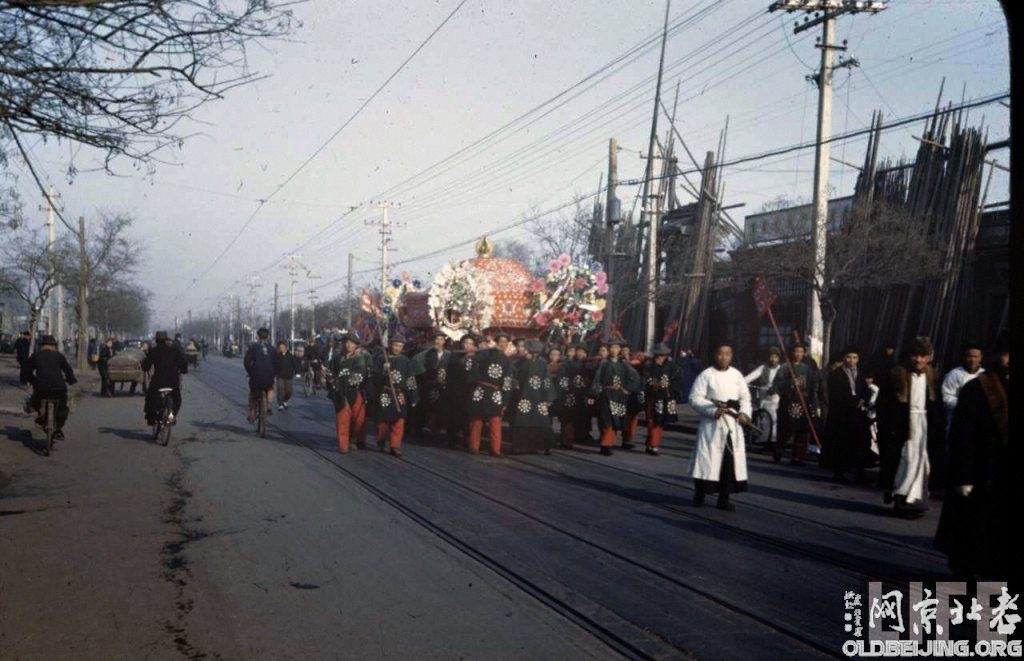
x: 508, y: 329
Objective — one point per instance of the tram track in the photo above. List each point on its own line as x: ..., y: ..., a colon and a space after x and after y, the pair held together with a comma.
x: 614, y: 640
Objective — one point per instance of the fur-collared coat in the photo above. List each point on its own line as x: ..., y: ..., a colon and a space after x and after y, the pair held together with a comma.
x: 894, y: 423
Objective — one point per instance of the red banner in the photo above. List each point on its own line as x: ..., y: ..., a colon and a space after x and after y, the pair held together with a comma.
x: 763, y: 295
x: 367, y: 304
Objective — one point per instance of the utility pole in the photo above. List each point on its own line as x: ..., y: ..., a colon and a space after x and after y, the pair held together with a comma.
x: 312, y: 313
x: 385, y: 240
x: 612, y: 218
x: 348, y: 293
x: 254, y: 285
x: 651, y: 275
x: 83, y: 299
x: 55, y: 315
x: 825, y: 12
x: 273, y: 319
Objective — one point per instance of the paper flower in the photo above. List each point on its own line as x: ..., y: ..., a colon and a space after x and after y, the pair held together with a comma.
x: 564, y: 259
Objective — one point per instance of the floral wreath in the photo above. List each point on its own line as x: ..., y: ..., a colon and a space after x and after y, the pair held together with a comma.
x: 459, y: 301
x: 392, y: 302
x: 570, y: 296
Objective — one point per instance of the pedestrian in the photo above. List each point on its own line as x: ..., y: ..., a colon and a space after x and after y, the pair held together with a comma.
x: 663, y: 382
x: 610, y: 390
x: 396, y: 391
x: 911, y: 422
x: 286, y: 366
x: 259, y: 367
x: 490, y: 379
x: 722, y: 400
x: 21, y: 347
x: 102, y: 364
x: 978, y: 505
x: 968, y: 370
x: 350, y: 376
x: 796, y: 384
x: 760, y: 381
x: 691, y: 367
x: 434, y: 363
x: 635, y: 404
x: 531, y: 414
x: 847, y: 443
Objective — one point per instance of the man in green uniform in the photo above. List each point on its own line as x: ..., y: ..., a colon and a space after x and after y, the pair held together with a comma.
x: 610, y: 390
x: 663, y: 385
x: 396, y: 392
x: 531, y: 421
x: 490, y: 386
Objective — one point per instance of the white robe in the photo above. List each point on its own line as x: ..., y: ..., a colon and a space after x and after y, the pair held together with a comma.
x: 710, y: 386
x: 912, y: 475
x: 769, y: 402
x: 951, y: 386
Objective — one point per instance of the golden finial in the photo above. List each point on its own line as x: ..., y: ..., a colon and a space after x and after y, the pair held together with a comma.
x: 484, y: 247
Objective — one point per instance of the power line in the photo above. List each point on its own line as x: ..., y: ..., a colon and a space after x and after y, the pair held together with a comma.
x: 323, y: 146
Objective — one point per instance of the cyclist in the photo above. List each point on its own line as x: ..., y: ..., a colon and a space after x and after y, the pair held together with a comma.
x: 50, y: 375
x: 760, y: 381
x: 259, y: 365
x: 312, y: 362
x: 167, y: 364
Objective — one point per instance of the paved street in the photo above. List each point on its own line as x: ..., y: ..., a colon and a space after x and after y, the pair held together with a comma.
x: 227, y: 545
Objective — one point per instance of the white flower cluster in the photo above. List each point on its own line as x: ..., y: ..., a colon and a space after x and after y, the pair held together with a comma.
x: 672, y: 407
x: 570, y: 401
x: 460, y: 300
x: 542, y: 408
x: 385, y: 400
x: 617, y: 410
x: 478, y: 394
x: 535, y: 382
x: 494, y: 371
x: 523, y: 406
x: 496, y: 397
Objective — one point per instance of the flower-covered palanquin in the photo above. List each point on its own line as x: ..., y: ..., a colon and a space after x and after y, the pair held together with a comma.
x: 489, y: 294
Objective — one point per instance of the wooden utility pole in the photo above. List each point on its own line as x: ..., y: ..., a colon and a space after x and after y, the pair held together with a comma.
x: 55, y: 312
x: 273, y: 319
x: 651, y: 274
x: 83, y: 298
x: 611, y: 215
x: 312, y: 313
x: 829, y: 10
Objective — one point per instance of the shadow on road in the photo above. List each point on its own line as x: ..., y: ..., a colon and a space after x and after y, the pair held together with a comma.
x: 24, y: 436
x: 129, y: 434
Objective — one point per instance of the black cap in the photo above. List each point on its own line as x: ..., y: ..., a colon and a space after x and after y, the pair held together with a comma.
x: 615, y: 339
x: 502, y: 334
x: 397, y: 337
x: 534, y: 346
x: 161, y: 336
x: 48, y: 340
x: 848, y: 349
x: 660, y: 349
x: 262, y: 333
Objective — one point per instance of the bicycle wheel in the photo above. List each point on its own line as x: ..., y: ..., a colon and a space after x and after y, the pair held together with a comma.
x: 261, y: 416
x: 50, y: 425
x: 763, y: 419
x: 307, y: 382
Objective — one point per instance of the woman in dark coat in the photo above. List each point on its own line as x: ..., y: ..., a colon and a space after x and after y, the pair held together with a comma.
x: 847, y: 440
x: 531, y: 414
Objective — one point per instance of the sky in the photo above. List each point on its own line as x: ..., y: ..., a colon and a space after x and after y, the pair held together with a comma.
x: 207, y: 235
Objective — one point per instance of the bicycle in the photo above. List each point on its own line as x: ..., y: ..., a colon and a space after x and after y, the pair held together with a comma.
x: 761, y: 418
x: 261, y: 414
x: 164, y: 417
x: 48, y: 410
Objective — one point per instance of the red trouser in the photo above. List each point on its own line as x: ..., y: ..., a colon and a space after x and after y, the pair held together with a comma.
x: 607, y: 436
x: 392, y: 431
x: 352, y: 423
x: 653, y: 430
x: 632, y: 422
x: 476, y: 427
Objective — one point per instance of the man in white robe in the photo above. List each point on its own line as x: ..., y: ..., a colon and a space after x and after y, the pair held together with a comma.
x: 761, y: 379
x: 722, y: 400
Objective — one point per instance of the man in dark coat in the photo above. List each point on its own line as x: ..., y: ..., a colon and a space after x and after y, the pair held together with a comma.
x: 106, y: 353
x: 531, y: 414
x: 457, y: 392
x: 167, y: 365
x: 259, y: 366
x: 847, y: 440
x: 795, y: 384
x: 396, y: 392
x: 286, y: 366
x: 349, y: 372
x: 50, y: 374
x: 21, y: 347
x: 635, y: 404
x: 573, y: 383
x: 434, y: 363
x: 976, y: 513
x: 691, y: 367
x: 911, y: 431
x: 663, y: 383
x: 610, y: 390
x: 490, y: 387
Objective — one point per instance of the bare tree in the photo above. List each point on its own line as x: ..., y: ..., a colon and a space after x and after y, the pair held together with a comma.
x: 119, y: 76
x: 98, y: 265
x: 874, y: 245
x: 121, y: 309
x: 522, y: 252
x: 30, y: 271
x: 567, y: 233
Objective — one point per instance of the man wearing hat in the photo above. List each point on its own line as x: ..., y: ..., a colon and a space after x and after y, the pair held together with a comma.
x: 722, y: 400
x: 610, y: 390
x: 458, y: 389
x: 167, y: 365
x: 434, y: 363
x: 760, y: 382
x: 847, y: 440
x: 531, y: 420
x: 259, y: 366
x: 911, y: 425
x: 663, y: 382
x: 21, y: 346
x: 636, y: 401
x: 490, y: 388
x: 573, y: 384
x: 350, y: 376
x: 396, y: 393
x: 797, y: 385
x: 50, y: 374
